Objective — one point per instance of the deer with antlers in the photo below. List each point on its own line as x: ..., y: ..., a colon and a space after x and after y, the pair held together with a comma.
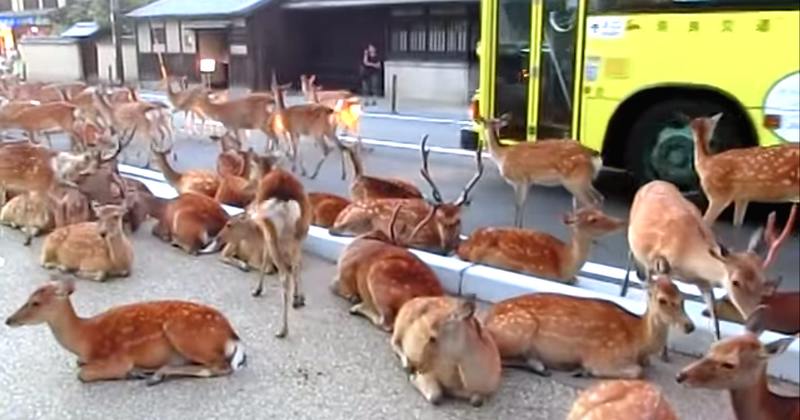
x: 739, y: 364
x: 740, y: 176
x: 539, y: 253
x: 544, y: 162
x: 365, y: 187
x: 433, y: 226
x: 190, y: 222
x: 665, y: 225
x: 541, y: 331
x: 379, y: 277
x: 152, y: 340
x: 325, y: 208
x: 622, y: 399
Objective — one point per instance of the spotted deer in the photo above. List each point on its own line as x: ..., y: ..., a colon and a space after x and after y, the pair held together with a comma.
x: 739, y: 364
x: 146, y: 340
x: 365, y: 187
x: 743, y: 175
x: 599, y: 338
x: 539, y: 253
x: 190, y: 221
x: 198, y: 181
x: 31, y: 212
x: 325, y: 208
x: 622, y: 399
x: 446, y: 350
x: 663, y: 225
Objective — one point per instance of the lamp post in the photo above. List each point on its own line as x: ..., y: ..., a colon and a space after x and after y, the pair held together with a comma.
x: 115, y: 39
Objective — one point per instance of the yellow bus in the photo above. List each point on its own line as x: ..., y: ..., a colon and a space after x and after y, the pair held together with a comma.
x: 624, y: 76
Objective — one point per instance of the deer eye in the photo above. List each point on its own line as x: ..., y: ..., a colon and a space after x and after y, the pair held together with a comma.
x: 34, y: 304
x: 736, y: 283
x: 662, y: 301
x: 728, y: 366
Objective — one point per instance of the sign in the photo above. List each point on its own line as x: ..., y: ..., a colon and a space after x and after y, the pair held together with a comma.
x: 238, y: 49
x: 783, y: 100
x: 208, y: 65
x: 606, y: 27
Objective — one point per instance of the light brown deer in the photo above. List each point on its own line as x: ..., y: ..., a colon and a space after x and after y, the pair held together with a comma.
x: 544, y: 162
x: 95, y: 250
x: 366, y: 187
x: 743, y: 175
x: 153, y: 340
x: 186, y: 100
x: 739, y: 364
x: 250, y: 112
x: 346, y: 104
x: 242, y: 244
x: 444, y: 347
x: 70, y: 206
x: 665, y: 225
x: 31, y: 212
x: 283, y: 214
x: 190, y: 221
x: 434, y: 227
x: 232, y: 160
x: 622, y: 399
x: 599, y: 338
x: 378, y: 277
x: 325, y: 208
x: 240, y: 191
x: 44, y: 118
x: 781, y: 312
x: 197, y: 180
x: 539, y: 253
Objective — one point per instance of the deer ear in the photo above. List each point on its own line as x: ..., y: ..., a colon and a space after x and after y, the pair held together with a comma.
x: 65, y: 286
x: 715, y: 119
x: 466, y: 308
x: 755, y: 322
x: 776, y: 347
x: 96, y: 207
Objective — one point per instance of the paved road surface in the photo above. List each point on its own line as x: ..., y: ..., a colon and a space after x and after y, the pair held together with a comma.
x: 333, y: 365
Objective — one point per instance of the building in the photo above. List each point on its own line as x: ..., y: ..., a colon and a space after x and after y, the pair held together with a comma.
x: 19, y: 18
x: 429, y: 45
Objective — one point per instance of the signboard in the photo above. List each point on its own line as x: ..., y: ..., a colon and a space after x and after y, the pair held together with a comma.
x: 238, y: 49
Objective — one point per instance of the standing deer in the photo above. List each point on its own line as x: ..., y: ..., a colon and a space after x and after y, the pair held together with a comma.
x: 663, y: 225
x: 44, y: 118
x: 433, y: 226
x: 739, y: 176
x: 345, y: 103
x: 622, y: 399
x: 186, y: 100
x: 366, y: 187
x: 739, y: 364
x: 250, y: 112
x: 539, y: 253
x: 152, y: 340
x: 326, y: 208
x: 446, y: 350
x: 190, y: 221
x: 544, y: 162
x: 541, y: 331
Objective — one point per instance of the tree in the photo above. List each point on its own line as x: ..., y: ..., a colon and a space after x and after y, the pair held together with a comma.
x: 95, y: 11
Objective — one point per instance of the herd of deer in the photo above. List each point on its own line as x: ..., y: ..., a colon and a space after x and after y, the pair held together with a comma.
x: 89, y: 210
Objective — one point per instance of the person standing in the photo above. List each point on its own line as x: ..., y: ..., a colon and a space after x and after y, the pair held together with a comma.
x: 370, y: 74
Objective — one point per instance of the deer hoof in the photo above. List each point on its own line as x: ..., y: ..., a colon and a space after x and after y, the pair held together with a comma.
x: 257, y: 292
x: 299, y: 301
x: 154, y: 379
x: 476, y: 400
x: 282, y: 333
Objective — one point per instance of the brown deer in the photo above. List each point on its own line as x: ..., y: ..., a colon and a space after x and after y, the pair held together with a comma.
x: 152, y: 340
x: 250, y: 112
x: 30, y: 212
x: 441, y: 342
x: 346, y: 104
x: 665, y: 225
x: 44, y: 118
x: 739, y: 364
x: 325, y: 208
x: 539, y: 253
x: 366, y: 187
x: 242, y: 244
x: 232, y: 160
x: 283, y: 214
x: 198, y: 181
x: 781, y: 312
x: 622, y: 399
x: 544, y: 162
x: 240, y: 191
x: 541, y: 331
x: 186, y: 100
x: 96, y: 250
x: 739, y: 176
x: 70, y: 206
x: 436, y: 226
x: 379, y: 277
x: 190, y: 221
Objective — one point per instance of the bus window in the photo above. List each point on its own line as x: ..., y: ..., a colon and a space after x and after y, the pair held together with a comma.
x: 600, y: 6
x: 513, y: 55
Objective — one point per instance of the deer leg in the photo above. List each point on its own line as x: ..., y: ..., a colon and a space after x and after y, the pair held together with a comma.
x: 287, y: 292
x: 196, y: 371
x: 30, y: 232
x: 531, y: 364
x: 298, y: 298
x: 708, y: 297
x: 369, y: 313
x: 627, y: 371
x: 428, y: 386
x: 639, y: 273
x: 326, y: 150
x: 3, y: 194
x: 739, y: 210
x: 715, y: 207
x: 521, y: 195
x: 105, y: 370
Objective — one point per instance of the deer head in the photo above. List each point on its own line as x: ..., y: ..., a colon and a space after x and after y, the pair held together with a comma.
x: 44, y: 304
x: 593, y: 222
x: 665, y: 299
x: 109, y: 217
x: 454, y: 334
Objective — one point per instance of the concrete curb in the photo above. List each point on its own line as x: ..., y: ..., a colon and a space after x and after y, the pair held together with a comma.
x: 492, y: 285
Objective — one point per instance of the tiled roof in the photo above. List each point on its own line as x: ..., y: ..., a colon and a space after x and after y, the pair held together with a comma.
x: 197, y: 8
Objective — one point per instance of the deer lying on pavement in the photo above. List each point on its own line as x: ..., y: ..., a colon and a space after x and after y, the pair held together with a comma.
x: 544, y: 162
x: 663, y: 225
x: 326, y: 208
x: 95, y: 250
x: 152, y: 340
x: 541, y: 331
x: 366, y: 187
x: 446, y: 350
x: 539, y: 253
x: 622, y: 399
x: 190, y: 221
x: 242, y: 244
x: 436, y: 227
x: 197, y: 181
x: 379, y: 277
x: 739, y: 364
x: 240, y: 191
x: 30, y: 212
x: 739, y: 176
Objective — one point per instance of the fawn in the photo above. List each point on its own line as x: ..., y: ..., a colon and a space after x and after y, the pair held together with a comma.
x: 326, y: 208
x: 622, y: 399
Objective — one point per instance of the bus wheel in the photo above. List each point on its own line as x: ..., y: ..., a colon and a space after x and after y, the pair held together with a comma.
x: 660, y: 143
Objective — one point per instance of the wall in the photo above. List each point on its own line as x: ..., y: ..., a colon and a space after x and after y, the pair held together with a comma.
x: 435, y: 82
x: 105, y: 58
x: 40, y: 55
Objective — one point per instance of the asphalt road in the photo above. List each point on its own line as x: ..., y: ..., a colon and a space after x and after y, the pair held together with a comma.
x: 332, y: 366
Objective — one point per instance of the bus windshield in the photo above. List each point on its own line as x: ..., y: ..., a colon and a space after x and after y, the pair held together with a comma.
x: 513, y: 55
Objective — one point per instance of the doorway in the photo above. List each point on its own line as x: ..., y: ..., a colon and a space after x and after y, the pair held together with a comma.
x: 213, y: 44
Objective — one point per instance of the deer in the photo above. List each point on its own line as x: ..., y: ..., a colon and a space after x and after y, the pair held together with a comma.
x: 781, y: 311
x: 345, y: 103
x: 436, y: 226
x: 242, y: 244
x: 446, y: 349
x: 190, y: 222
x: 539, y: 253
x: 326, y: 208
x: 365, y: 187
x: 250, y: 112
x: 739, y: 364
x: 599, y: 338
x: 240, y: 191
x: 742, y: 175
x: 186, y: 100
x: 622, y: 398
x: 150, y: 340
x: 44, y: 118
x: 232, y: 160
x: 30, y: 212
x: 199, y: 181
x: 283, y: 214
x: 544, y: 162
x: 94, y: 250
x: 665, y: 225
x: 379, y: 277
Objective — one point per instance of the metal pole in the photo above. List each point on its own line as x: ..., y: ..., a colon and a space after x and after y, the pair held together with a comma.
x: 115, y: 38
x: 394, y: 94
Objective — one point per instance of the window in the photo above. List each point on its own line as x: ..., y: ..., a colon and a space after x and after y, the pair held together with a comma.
x: 599, y: 6
x: 159, y: 38
x: 434, y: 31
x: 30, y: 5
x: 5, y: 5
x: 50, y: 4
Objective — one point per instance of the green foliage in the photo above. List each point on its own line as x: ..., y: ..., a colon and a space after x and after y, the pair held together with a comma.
x: 94, y: 10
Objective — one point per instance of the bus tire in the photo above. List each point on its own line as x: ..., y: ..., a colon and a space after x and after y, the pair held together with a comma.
x: 660, y: 143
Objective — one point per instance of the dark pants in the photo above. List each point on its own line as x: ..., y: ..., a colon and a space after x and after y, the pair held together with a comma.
x: 370, y: 84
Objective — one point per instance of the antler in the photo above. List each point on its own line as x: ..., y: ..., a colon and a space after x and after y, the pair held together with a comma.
x: 120, y: 146
x: 774, y: 242
x: 424, y: 171
x: 471, y: 184
x: 392, y: 222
